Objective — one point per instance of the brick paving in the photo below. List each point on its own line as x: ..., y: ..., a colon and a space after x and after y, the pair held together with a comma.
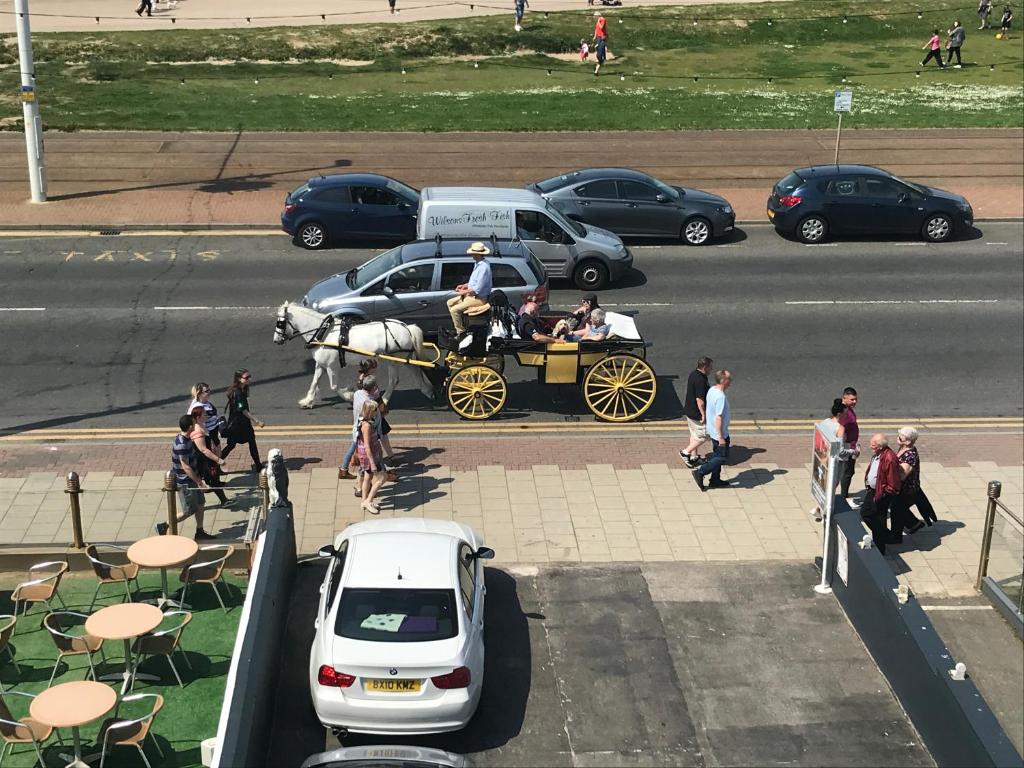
x: 544, y: 499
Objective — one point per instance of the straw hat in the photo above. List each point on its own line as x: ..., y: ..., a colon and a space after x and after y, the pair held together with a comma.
x: 478, y: 249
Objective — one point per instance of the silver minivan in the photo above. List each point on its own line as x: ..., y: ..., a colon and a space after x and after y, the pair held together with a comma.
x: 413, y: 282
x: 590, y: 256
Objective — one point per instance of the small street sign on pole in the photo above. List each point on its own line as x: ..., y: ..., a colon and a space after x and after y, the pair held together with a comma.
x: 844, y: 103
x: 30, y: 105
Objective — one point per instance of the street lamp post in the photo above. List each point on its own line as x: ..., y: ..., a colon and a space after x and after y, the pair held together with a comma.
x: 30, y: 106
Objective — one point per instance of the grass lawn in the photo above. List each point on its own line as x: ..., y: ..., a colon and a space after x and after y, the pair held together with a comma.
x: 189, y: 715
x: 729, y: 70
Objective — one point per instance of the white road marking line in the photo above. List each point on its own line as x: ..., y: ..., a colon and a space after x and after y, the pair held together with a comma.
x: 729, y: 245
x: 996, y: 243
x: 893, y: 301
x: 233, y: 309
x: 631, y: 304
x: 957, y: 608
x: 820, y: 245
x: 22, y: 309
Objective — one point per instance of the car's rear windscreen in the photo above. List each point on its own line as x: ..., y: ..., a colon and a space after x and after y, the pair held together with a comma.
x: 299, y: 192
x: 788, y: 184
x: 397, y: 615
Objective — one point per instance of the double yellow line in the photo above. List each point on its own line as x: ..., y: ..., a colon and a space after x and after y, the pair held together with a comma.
x: 508, y: 427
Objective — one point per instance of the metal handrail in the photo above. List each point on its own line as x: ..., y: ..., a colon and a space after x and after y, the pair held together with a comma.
x: 995, y: 489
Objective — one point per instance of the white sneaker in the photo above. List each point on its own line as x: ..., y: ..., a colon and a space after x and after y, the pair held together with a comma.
x: 816, y: 514
x: 854, y: 504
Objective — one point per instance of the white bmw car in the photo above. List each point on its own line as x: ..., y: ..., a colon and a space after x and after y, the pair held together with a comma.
x: 399, y: 643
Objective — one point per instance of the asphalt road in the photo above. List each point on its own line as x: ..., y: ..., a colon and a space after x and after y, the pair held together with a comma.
x: 105, y: 331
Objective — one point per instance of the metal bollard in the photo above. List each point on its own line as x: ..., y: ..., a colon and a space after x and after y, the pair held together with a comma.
x: 74, y: 490
x: 171, y: 489
x: 995, y: 489
x: 264, y: 493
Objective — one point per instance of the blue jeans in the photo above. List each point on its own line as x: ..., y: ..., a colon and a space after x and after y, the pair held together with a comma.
x: 348, y: 456
x: 713, y: 466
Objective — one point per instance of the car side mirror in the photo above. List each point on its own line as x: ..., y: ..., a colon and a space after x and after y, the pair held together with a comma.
x: 903, y: 197
x: 388, y: 290
x: 484, y: 553
x: 327, y: 551
x: 403, y: 206
x: 661, y: 198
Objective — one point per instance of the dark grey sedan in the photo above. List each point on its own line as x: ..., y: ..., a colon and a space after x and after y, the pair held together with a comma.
x: 634, y: 204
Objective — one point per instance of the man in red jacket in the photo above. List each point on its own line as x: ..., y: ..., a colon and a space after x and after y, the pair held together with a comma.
x: 883, y: 483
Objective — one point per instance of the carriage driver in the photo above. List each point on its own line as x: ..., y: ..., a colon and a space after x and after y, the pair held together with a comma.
x: 475, y: 292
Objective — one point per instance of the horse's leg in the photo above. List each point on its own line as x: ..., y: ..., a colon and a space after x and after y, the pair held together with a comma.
x: 308, y: 400
x: 331, y: 365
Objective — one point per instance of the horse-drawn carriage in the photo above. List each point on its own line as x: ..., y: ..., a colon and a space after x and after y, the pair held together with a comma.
x: 617, y: 382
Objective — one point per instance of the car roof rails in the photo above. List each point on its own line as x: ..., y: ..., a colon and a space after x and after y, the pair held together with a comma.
x: 438, y: 240
x: 495, y: 250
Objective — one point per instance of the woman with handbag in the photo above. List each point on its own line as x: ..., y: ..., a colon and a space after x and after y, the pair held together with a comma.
x: 240, y: 420
x: 208, y: 459
x: 371, y: 459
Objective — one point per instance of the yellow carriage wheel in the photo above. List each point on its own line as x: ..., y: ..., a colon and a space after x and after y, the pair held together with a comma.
x: 620, y: 387
x: 477, y: 392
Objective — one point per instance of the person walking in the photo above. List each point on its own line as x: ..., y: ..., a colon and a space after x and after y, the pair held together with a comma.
x: 191, y: 501
x: 954, y: 42
x: 911, y: 493
x: 851, y: 437
x: 391, y: 6
x: 371, y: 460
x: 145, y: 5
x: 833, y: 427
x: 694, y: 409
x: 212, y: 423
x: 475, y: 292
x: 600, y: 43
x: 1004, y: 23
x: 208, y: 460
x: 717, y: 419
x: 521, y: 6
x: 934, y: 48
x: 882, y: 480
x: 984, y: 11
x: 240, y: 420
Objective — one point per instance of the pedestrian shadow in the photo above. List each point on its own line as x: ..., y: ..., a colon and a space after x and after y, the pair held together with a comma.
x: 754, y: 478
x: 927, y: 539
x: 406, y: 496
x: 416, y: 456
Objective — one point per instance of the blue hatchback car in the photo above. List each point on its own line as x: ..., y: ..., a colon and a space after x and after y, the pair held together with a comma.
x: 363, y: 207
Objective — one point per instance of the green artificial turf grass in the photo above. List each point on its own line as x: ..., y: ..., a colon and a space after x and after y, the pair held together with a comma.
x: 478, y: 74
x: 189, y: 715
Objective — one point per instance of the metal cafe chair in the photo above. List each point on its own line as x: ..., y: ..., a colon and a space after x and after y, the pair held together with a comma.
x: 131, y: 733
x: 71, y: 645
x: 7, y: 624
x: 42, y: 585
x: 207, y: 571
x: 164, y: 643
x: 22, y: 730
x: 111, y: 573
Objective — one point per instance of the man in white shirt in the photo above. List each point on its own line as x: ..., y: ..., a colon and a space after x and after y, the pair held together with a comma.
x: 475, y: 292
x: 716, y: 409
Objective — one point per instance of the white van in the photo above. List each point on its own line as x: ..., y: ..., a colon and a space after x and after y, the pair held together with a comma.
x: 591, y: 257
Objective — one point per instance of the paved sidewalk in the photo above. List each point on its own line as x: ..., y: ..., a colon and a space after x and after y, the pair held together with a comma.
x: 119, y: 179
x: 642, y: 508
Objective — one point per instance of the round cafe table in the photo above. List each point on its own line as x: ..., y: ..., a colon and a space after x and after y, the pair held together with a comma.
x: 70, y: 705
x: 124, y: 622
x: 163, y: 552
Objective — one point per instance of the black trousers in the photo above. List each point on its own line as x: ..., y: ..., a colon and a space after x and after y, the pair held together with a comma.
x: 935, y: 54
x: 874, y: 514
x: 145, y: 5
x: 250, y: 440
x: 956, y: 50
x: 915, y: 498
x: 847, y: 469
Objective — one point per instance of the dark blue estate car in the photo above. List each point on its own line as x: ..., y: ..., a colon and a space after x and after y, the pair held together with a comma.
x: 351, y: 206
x: 813, y: 203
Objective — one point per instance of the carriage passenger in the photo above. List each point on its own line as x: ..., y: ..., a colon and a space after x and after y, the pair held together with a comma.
x: 531, y: 326
x: 596, y: 328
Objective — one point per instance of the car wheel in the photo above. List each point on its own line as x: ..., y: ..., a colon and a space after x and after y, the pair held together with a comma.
x: 937, y: 228
x: 590, y: 275
x: 312, y: 236
x: 812, y: 229
x: 697, y: 231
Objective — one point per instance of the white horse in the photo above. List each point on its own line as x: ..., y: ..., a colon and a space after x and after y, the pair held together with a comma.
x: 381, y: 337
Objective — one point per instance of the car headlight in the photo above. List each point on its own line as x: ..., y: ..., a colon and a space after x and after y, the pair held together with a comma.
x: 725, y: 208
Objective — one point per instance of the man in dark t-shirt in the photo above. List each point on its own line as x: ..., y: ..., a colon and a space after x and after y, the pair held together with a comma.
x: 531, y: 326
x: 697, y: 387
